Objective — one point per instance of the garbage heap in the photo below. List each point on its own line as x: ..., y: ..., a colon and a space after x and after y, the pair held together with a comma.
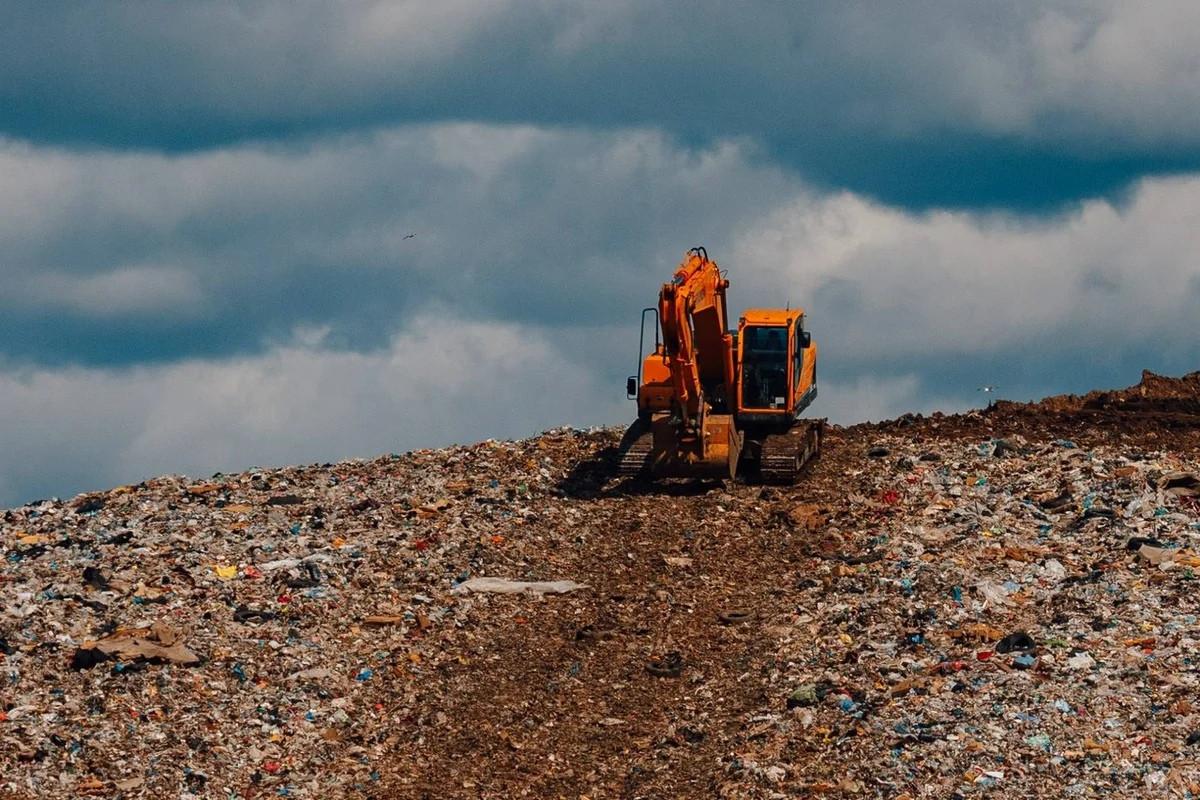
x: 1000, y: 602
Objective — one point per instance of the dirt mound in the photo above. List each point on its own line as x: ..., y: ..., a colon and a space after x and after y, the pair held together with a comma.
x: 1153, y: 393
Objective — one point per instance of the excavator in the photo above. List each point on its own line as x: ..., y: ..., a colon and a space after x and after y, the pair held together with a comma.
x: 714, y: 402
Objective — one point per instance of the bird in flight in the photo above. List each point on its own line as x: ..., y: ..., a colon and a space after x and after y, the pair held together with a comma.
x: 987, y: 389
x: 410, y: 236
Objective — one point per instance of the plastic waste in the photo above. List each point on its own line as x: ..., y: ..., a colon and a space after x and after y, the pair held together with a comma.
x: 504, y: 586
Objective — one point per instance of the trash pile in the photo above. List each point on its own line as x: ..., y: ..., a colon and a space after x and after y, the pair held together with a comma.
x: 1003, y: 614
x: 997, y: 602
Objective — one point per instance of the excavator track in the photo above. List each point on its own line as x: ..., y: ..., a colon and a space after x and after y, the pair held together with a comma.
x: 635, y: 451
x: 784, y: 455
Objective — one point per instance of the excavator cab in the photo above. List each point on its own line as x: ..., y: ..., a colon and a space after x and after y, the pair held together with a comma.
x: 778, y: 367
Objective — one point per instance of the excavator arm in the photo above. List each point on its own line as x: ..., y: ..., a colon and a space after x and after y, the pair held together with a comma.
x: 685, y: 422
x: 698, y: 346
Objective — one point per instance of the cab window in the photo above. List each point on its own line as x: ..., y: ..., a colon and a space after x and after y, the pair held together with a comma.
x: 764, y: 366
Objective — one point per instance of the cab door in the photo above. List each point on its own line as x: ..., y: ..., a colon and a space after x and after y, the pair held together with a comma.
x: 802, y: 365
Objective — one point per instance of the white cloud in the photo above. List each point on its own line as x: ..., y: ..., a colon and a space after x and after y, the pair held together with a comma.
x: 1132, y: 67
x: 442, y: 380
x: 869, y: 398
x: 883, y: 283
x: 128, y: 291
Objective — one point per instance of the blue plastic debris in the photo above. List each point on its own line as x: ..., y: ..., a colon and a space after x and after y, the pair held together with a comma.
x: 1040, y: 741
x: 364, y: 674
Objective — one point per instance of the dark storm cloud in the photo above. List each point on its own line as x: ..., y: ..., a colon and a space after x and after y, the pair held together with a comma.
x: 976, y: 172
x: 940, y: 102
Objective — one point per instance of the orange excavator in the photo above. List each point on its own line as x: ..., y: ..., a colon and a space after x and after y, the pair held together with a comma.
x: 713, y: 402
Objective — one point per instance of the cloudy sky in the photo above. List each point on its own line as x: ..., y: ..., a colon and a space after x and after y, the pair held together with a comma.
x: 275, y: 231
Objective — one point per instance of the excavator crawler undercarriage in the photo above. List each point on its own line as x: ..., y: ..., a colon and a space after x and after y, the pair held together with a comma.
x: 780, y: 457
x: 784, y: 455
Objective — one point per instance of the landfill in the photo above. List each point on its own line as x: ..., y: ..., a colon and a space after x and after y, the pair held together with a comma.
x: 998, y: 603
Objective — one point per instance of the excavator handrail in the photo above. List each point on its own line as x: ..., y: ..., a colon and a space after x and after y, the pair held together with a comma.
x: 642, y: 340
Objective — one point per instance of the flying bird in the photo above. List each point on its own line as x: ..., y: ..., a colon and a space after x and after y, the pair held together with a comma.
x: 987, y: 389
x: 410, y: 236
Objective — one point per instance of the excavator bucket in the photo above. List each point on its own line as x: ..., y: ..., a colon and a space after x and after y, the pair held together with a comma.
x: 660, y: 449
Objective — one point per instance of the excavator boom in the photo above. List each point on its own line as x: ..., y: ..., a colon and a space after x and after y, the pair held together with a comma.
x: 693, y: 315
